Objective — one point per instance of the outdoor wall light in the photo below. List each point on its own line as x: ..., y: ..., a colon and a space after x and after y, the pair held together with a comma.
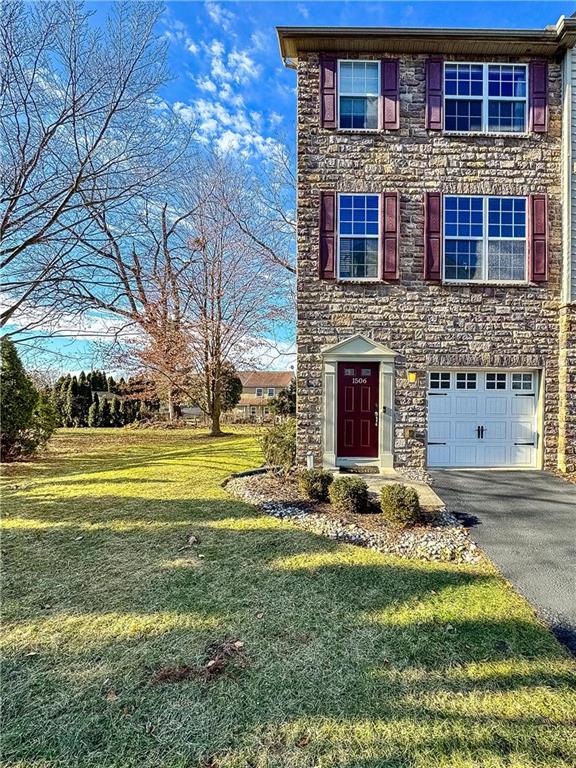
x: 412, y: 377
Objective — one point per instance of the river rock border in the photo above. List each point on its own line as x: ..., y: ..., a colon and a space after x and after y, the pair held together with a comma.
x: 444, y: 540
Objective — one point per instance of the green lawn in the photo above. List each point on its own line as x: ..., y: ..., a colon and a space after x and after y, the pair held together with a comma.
x: 352, y: 659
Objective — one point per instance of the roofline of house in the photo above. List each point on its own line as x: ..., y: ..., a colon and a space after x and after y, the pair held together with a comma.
x: 551, y: 41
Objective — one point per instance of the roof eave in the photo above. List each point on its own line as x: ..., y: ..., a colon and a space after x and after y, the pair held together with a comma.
x: 529, y: 42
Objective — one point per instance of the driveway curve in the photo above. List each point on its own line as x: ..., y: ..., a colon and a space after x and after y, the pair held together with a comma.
x: 526, y: 523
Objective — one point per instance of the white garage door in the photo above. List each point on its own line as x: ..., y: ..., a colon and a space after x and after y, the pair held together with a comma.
x: 482, y: 418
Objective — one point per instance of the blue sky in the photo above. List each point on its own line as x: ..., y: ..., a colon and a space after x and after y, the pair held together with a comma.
x: 228, y: 76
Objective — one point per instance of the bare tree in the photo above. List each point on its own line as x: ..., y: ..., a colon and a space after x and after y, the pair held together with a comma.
x: 188, y: 281
x: 80, y: 126
x: 268, y: 202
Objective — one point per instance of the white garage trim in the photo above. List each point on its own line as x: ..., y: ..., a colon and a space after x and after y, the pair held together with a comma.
x: 484, y: 417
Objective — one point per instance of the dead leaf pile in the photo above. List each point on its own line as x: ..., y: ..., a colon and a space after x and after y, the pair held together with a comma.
x: 220, y: 656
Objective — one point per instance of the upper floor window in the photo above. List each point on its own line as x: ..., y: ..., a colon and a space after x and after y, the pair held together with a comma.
x: 359, y: 90
x: 358, y: 236
x: 484, y: 238
x: 485, y: 97
x: 259, y: 392
x: 271, y: 391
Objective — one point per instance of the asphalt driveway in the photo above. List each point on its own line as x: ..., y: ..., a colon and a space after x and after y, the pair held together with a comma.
x: 526, y: 523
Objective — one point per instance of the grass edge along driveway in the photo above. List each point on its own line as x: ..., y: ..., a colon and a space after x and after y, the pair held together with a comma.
x: 349, y: 658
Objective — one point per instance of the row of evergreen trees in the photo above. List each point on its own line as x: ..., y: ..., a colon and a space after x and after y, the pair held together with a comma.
x: 84, y: 401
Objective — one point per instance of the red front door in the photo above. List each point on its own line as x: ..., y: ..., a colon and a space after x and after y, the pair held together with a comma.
x: 357, y: 410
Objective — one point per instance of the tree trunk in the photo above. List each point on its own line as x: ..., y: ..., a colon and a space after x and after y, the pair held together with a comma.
x: 215, y: 414
x: 170, y: 405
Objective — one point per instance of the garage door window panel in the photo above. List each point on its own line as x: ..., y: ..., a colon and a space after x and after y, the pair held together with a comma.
x: 523, y: 381
x: 466, y: 380
x: 495, y: 381
x: 440, y: 380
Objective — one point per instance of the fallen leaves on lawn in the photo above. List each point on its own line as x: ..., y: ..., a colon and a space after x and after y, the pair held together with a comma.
x: 191, y: 541
x: 219, y: 657
x: 221, y: 654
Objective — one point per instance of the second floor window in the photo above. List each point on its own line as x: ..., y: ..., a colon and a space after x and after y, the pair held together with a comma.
x: 271, y: 391
x: 358, y: 236
x: 259, y: 392
x: 359, y: 91
x: 485, y: 238
x: 485, y: 97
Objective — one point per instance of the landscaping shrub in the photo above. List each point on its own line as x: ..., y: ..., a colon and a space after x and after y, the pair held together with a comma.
x: 278, y: 443
x: 349, y: 494
x: 400, y: 505
x: 314, y: 483
x: 27, y: 417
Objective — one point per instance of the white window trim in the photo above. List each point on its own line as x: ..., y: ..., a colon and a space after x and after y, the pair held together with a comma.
x: 485, y: 240
x: 261, y: 390
x: 377, y: 237
x: 340, y: 93
x: 271, y: 392
x: 485, y: 98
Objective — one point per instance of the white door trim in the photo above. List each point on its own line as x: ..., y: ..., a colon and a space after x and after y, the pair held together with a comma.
x: 354, y: 350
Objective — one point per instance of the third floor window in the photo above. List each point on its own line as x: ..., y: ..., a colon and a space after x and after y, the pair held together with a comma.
x: 359, y: 93
x: 485, y: 97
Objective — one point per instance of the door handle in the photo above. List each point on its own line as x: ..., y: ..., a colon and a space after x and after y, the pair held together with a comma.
x: 376, y: 416
x: 480, y: 433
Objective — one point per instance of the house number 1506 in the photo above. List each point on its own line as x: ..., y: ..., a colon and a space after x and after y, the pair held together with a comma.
x: 359, y: 381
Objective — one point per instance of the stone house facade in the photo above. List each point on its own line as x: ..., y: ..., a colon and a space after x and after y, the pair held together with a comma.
x: 567, y: 423
x: 431, y: 319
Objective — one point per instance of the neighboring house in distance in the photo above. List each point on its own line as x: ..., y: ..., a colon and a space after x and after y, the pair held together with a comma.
x: 431, y: 297
x: 258, y: 388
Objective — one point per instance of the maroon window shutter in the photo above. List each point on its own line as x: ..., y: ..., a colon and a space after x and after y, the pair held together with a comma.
x: 327, y: 235
x: 389, y: 222
x: 432, y: 236
x: 390, y: 87
x: 434, y: 94
x: 539, y: 96
x: 537, y: 238
x: 328, y: 90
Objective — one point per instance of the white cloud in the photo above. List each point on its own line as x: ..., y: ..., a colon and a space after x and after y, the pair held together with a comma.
x: 242, y: 65
x: 220, y: 15
x: 235, y: 67
x: 303, y: 10
x: 259, y: 40
x: 228, y: 128
x: 205, y: 84
x: 229, y: 95
x: 177, y: 32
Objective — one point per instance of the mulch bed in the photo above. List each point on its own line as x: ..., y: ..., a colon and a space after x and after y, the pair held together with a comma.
x: 440, y: 537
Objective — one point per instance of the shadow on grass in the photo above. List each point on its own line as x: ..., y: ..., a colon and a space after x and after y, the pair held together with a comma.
x: 332, y: 633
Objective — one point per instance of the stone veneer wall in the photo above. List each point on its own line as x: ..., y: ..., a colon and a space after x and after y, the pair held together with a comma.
x: 567, y: 420
x: 428, y: 325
